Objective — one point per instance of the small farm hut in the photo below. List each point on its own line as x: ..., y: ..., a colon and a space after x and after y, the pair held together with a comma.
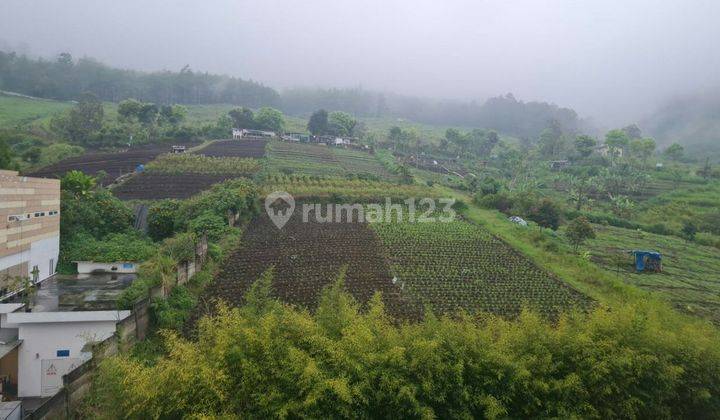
x: 647, y: 261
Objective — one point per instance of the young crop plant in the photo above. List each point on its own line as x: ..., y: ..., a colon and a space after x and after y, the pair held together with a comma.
x: 349, y: 189
x: 199, y: 164
x: 457, y: 266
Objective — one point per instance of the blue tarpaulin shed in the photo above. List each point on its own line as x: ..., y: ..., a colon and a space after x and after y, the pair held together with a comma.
x: 649, y: 258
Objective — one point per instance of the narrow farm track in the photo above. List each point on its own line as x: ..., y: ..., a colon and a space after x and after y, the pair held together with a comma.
x: 307, y: 257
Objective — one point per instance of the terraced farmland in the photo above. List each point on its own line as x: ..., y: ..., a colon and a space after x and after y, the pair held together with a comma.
x: 456, y: 265
x: 446, y: 267
x: 359, y: 189
x: 156, y: 186
x: 691, y: 272
x: 311, y: 159
x: 303, y: 158
x: 187, y: 163
x: 308, y: 257
x: 360, y: 162
x: 114, y: 164
x: 235, y: 148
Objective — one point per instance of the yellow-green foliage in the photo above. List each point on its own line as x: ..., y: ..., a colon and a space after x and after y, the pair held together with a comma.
x: 267, y: 360
x: 358, y: 189
x: 200, y: 164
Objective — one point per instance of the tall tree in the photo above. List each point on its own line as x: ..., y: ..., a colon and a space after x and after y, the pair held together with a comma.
x: 242, y: 118
x: 578, y: 231
x: 632, y: 131
x: 585, y: 145
x: 552, y: 141
x: 675, y: 152
x: 83, y: 120
x: 270, y: 119
x: 642, y: 149
x: 617, y: 140
x: 318, y: 123
x: 341, y: 123
x: 395, y: 135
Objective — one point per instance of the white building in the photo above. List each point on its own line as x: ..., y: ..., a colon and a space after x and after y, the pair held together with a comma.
x: 88, y: 267
x: 54, y: 343
x: 606, y: 151
x: 239, y: 134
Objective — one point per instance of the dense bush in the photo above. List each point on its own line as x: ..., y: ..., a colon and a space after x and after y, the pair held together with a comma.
x: 161, y: 219
x: 238, y: 196
x: 97, y: 213
x: 269, y: 360
x: 129, y: 246
x: 542, y: 211
x: 209, y: 224
x: 172, y: 312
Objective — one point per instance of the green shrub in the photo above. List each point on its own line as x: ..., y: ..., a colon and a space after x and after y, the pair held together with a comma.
x: 137, y: 290
x: 130, y: 246
x: 266, y: 359
x: 180, y: 248
x: 161, y: 219
x: 209, y: 224
x: 173, y: 311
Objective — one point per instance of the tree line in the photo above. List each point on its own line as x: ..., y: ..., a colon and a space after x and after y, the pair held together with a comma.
x: 66, y: 78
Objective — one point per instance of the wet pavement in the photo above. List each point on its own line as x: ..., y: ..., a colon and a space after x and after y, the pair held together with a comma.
x: 80, y: 292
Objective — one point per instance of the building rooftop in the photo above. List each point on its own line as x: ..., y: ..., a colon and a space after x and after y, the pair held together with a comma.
x: 81, y: 292
x: 6, y: 308
x: 52, y: 317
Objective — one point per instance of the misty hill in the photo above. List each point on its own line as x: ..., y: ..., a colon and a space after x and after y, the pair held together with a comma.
x: 65, y: 78
x: 692, y: 120
x: 503, y: 113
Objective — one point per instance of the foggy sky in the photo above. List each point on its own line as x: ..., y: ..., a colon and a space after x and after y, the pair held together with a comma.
x: 611, y: 60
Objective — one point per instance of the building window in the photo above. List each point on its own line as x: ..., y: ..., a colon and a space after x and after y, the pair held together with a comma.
x: 52, y: 212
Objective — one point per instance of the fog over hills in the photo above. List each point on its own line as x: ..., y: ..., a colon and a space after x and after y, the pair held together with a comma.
x: 614, y: 61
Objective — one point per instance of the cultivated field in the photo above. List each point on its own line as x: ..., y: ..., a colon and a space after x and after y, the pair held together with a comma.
x: 187, y: 163
x: 308, y: 257
x: 359, y: 189
x: 235, y: 148
x: 459, y: 266
x: 114, y: 164
x: 360, y: 162
x: 445, y: 267
x: 691, y: 272
x: 157, y: 186
x: 310, y: 159
x: 303, y: 158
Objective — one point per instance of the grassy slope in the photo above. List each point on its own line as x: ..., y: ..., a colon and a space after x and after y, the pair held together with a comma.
x: 16, y: 111
x: 691, y: 272
x: 690, y: 267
